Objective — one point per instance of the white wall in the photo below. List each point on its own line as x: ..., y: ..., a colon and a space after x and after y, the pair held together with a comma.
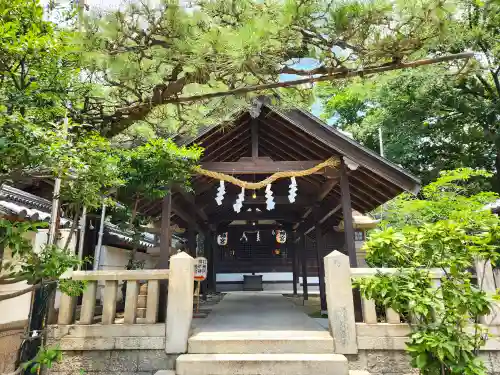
x: 17, y: 309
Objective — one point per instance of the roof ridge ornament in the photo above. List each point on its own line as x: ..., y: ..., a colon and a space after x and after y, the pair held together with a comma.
x: 255, y: 108
x: 352, y: 165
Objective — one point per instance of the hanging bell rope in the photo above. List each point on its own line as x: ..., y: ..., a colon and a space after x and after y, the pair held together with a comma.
x: 332, y: 162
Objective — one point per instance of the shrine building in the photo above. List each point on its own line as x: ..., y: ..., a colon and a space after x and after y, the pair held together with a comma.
x: 279, y: 232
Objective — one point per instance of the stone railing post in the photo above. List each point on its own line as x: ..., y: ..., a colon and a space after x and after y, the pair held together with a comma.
x: 340, y: 303
x: 486, y: 281
x: 180, y: 303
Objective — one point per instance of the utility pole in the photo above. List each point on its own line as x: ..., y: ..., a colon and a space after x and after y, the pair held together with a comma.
x: 381, y: 142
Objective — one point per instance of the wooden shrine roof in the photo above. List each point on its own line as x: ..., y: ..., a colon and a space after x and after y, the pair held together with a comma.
x: 291, y: 135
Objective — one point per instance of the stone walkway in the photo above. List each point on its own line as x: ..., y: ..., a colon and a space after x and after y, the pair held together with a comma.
x: 257, y: 312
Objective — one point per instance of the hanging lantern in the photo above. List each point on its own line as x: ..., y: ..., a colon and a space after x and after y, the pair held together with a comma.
x: 222, y: 239
x: 280, y: 236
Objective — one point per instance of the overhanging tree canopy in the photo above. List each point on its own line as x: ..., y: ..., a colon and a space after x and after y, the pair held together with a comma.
x: 148, y: 64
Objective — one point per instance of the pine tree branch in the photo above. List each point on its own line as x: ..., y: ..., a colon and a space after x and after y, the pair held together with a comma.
x: 123, y: 117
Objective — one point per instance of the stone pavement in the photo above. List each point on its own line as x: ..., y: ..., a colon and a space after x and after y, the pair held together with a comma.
x: 257, y: 312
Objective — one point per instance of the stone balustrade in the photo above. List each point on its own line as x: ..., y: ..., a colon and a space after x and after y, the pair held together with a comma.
x: 368, y: 308
x: 140, y: 315
x: 386, y: 330
x: 132, y: 279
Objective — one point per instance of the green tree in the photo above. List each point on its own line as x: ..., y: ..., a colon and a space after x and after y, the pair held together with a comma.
x: 434, y: 118
x: 149, y: 171
x: 447, y: 229
x: 166, y: 67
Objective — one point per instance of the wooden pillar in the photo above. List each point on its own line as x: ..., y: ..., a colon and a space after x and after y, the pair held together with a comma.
x: 165, y: 233
x: 303, y: 253
x: 295, y: 268
x: 255, y: 138
x: 347, y: 213
x: 215, y: 260
x: 320, y: 244
x: 191, y: 240
x: 165, y: 240
x: 207, y: 244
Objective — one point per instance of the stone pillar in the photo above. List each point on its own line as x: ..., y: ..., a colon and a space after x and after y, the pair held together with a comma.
x: 66, y: 309
x: 340, y: 303
x: 486, y: 281
x: 180, y: 303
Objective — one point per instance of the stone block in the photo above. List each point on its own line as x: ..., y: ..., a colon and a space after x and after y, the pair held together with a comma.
x: 154, y: 360
x: 107, y: 331
x: 382, y: 343
x: 82, y: 343
x: 261, y: 364
x: 139, y: 343
x: 485, y: 356
x: 388, y: 361
x: 357, y: 361
x: 100, y: 373
x: 123, y: 360
x: 495, y: 361
x: 74, y: 361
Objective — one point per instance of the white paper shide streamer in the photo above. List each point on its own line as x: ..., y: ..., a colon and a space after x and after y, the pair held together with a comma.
x: 269, y: 198
x: 239, y: 201
x: 221, y: 191
x: 292, y: 192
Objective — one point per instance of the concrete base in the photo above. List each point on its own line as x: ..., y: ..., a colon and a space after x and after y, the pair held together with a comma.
x: 262, y: 364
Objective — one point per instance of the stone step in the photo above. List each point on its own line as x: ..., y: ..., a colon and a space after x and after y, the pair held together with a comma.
x: 262, y: 364
x: 261, y: 342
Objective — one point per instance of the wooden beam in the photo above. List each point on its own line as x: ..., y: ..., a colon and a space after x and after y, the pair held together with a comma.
x: 308, y: 225
x: 260, y: 166
x: 347, y: 214
x: 249, y: 227
x: 185, y: 214
x: 327, y: 209
x: 190, y: 200
x: 309, y: 179
x: 259, y: 200
x: 255, y: 216
x: 255, y: 138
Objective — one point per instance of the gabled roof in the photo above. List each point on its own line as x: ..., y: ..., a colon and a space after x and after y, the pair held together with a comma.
x: 287, y: 135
